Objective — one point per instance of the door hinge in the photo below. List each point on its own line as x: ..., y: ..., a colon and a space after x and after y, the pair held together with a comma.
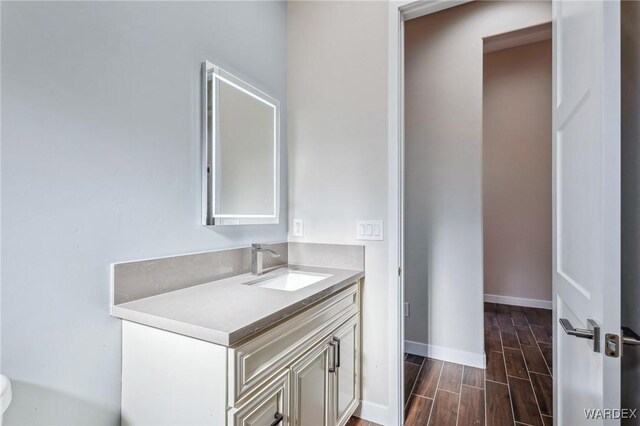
x: 399, y: 272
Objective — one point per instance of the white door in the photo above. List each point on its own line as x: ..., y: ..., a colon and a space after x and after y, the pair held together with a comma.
x: 586, y: 211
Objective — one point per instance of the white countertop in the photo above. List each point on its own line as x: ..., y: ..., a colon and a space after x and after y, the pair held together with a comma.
x: 227, y: 311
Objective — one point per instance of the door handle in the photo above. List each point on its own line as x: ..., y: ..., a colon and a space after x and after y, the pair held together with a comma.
x: 592, y: 333
x: 278, y: 418
x: 337, y: 342
x: 332, y: 364
x: 630, y: 337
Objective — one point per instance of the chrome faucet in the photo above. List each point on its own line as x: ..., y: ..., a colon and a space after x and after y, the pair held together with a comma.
x: 256, y: 257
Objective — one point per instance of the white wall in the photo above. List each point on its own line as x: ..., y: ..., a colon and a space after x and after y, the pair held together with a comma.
x: 100, y: 163
x: 516, y: 148
x: 337, y: 95
x: 443, y: 60
x: 631, y: 200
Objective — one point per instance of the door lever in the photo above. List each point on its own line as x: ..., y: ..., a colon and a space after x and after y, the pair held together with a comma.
x: 592, y: 333
x: 630, y: 337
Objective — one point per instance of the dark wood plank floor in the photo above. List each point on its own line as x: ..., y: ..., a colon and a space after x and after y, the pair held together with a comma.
x: 515, y: 388
x: 355, y: 421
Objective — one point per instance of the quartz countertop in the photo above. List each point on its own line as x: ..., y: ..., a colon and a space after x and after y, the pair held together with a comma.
x: 227, y: 311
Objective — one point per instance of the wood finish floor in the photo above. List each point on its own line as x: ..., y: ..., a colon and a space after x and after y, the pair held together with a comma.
x: 356, y: 421
x: 515, y: 389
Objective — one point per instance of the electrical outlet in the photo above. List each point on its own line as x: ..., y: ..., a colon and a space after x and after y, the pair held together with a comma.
x: 298, y: 228
x: 406, y: 309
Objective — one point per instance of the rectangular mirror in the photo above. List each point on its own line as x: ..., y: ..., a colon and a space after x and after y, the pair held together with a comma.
x: 241, y: 151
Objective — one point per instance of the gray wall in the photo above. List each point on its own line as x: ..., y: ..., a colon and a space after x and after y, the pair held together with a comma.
x: 100, y: 163
x: 516, y: 160
x: 443, y: 175
x: 631, y: 199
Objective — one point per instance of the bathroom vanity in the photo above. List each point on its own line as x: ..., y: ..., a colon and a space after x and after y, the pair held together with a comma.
x: 282, y: 348
x: 264, y: 335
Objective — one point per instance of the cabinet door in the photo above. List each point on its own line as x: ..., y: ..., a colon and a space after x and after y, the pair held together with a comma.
x: 346, y: 388
x: 269, y: 406
x: 310, y: 388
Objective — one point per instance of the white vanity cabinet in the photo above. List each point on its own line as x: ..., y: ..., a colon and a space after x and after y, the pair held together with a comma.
x: 268, y: 407
x: 346, y: 388
x: 325, y: 382
x: 304, y: 371
x: 311, y: 388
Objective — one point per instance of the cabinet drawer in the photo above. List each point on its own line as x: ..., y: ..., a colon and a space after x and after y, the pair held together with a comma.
x: 260, y: 357
x: 269, y: 406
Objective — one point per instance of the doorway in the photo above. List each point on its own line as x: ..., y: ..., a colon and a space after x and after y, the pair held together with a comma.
x: 517, y: 224
x: 445, y: 381
x: 586, y: 208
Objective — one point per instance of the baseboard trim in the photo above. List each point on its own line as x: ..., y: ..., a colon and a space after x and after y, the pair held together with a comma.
x: 372, y: 412
x: 471, y: 359
x: 518, y: 301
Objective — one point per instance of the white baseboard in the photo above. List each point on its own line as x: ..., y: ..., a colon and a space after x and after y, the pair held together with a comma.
x: 518, y: 301
x: 372, y: 412
x: 471, y: 359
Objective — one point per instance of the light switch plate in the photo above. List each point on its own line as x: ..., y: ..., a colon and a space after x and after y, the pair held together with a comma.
x: 369, y: 230
x: 298, y: 228
x: 406, y: 309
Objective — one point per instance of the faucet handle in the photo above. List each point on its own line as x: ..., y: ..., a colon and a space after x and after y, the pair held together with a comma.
x: 258, y: 248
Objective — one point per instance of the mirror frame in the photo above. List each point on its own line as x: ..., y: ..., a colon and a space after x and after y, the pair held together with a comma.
x: 209, y: 152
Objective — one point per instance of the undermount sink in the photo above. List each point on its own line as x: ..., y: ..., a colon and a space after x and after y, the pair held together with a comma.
x: 288, y: 280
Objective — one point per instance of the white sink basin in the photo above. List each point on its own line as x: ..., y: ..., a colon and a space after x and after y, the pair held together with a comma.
x: 289, y: 280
